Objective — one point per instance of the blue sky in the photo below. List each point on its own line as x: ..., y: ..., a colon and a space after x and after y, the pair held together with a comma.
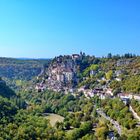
x: 47, y: 28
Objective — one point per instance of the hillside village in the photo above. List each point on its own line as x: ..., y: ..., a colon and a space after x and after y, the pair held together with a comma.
x: 62, y: 76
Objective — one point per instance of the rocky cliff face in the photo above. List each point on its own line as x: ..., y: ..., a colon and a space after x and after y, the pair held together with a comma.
x: 61, y: 74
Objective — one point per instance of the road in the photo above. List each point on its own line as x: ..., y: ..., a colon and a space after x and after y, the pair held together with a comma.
x: 115, y: 123
x: 134, y: 113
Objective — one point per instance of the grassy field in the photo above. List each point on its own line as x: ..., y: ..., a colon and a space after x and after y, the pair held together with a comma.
x: 54, y: 118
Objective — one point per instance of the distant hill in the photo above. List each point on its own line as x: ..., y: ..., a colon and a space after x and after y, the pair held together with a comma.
x: 23, y: 69
x: 26, y: 58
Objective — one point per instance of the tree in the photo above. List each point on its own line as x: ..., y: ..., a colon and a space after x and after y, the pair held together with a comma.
x: 109, y: 56
x: 89, y: 137
x: 101, y: 132
x: 76, y: 123
x: 59, y: 125
x: 67, y: 125
x: 94, y: 67
x: 86, y: 127
x: 74, y: 135
x: 109, y: 75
